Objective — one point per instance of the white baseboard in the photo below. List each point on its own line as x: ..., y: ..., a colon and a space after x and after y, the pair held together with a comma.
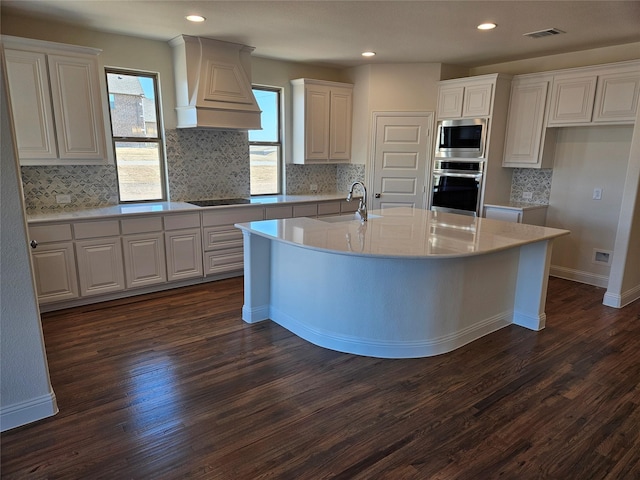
x: 19, y: 414
x: 579, y: 276
x: 620, y: 300
x: 255, y: 314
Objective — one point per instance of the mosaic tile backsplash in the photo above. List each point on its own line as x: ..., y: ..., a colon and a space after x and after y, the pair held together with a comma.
x: 538, y: 182
x: 214, y: 164
x: 206, y: 164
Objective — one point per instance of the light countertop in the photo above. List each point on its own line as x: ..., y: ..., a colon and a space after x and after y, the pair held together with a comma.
x: 168, y: 207
x: 516, y: 206
x: 403, y: 232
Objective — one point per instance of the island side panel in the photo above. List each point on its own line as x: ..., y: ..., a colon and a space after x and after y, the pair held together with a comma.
x: 391, y: 307
x: 257, y: 274
x: 531, y: 286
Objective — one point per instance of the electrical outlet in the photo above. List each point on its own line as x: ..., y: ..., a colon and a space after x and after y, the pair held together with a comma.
x: 313, y: 187
x: 597, y: 193
x: 527, y: 195
x: 63, y: 198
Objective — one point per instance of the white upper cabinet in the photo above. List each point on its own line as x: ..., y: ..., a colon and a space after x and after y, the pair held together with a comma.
x: 322, y: 117
x: 602, y: 94
x: 465, y: 98
x: 528, y: 144
x: 56, y: 101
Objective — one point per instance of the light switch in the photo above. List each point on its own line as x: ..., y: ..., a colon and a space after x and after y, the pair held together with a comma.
x: 597, y: 194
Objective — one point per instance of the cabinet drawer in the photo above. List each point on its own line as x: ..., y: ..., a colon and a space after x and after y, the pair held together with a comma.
x: 309, y: 210
x: 349, y: 207
x: 50, y: 233
x: 217, y: 238
x: 141, y: 225
x: 281, y: 211
x: 178, y: 222
x: 329, y: 208
x: 230, y: 216
x: 229, y: 260
x: 105, y: 228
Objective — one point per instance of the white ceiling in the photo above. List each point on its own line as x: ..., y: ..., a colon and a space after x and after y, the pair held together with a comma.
x: 336, y: 32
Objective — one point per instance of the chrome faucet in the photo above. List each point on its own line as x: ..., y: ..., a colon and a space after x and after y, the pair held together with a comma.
x: 362, y: 207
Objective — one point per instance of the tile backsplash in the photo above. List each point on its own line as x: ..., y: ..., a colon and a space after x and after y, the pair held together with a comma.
x: 537, y: 182
x: 214, y: 164
x: 206, y: 164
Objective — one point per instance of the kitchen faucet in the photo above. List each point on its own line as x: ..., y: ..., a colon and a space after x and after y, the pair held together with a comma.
x: 362, y: 207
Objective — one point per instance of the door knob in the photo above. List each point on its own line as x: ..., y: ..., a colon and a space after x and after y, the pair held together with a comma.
x: 33, y: 244
x: 377, y: 195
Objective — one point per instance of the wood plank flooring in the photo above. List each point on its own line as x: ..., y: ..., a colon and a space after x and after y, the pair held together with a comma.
x: 175, y: 385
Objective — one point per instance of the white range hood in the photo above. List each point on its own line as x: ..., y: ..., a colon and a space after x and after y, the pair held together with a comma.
x: 213, y: 84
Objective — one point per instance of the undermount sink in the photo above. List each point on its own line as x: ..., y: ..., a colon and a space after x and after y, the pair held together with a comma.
x: 344, y: 218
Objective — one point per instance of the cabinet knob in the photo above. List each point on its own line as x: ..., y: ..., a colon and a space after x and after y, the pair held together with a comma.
x: 377, y: 195
x: 33, y: 244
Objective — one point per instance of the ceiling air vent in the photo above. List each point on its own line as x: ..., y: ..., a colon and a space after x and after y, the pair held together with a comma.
x: 544, y: 33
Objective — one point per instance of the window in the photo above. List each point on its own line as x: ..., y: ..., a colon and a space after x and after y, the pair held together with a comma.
x: 265, y: 146
x: 137, y: 142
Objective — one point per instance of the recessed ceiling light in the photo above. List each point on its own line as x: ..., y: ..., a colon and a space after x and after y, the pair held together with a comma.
x: 195, y: 18
x: 368, y: 54
x: 487, y: 26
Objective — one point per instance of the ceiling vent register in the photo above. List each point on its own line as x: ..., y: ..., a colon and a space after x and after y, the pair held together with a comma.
x: 544, y: 33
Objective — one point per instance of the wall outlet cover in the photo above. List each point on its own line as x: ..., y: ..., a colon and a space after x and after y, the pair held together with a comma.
x: 313, y: 187
x: 527, y: 195
x: 63, y: 198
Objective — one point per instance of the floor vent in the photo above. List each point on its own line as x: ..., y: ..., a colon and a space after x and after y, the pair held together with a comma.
x: 544, y: 33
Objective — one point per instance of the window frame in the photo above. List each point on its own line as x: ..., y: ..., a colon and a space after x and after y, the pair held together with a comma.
x: 157, y: 140
x: 278, y: 144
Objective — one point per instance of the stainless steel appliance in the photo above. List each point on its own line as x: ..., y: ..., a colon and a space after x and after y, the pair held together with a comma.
x: 461, y: 138
x: 456, y: 186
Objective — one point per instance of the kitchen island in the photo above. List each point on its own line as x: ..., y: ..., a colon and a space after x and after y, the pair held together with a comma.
x: 407, y: 283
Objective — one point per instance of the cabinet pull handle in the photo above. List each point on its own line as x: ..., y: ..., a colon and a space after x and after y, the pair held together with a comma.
x: 33, y: 244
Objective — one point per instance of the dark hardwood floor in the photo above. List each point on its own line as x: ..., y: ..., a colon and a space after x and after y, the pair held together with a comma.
x: 175, y: 385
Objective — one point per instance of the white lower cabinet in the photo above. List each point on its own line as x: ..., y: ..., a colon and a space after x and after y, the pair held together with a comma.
x: 531, y: 215
x: 54, y: 268
x: 222, y: 241
x: 144, y: 259
x: 183, y: 254
x: 100, y: 266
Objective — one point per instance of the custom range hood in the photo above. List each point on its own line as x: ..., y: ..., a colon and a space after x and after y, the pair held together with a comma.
x: 213, y: 84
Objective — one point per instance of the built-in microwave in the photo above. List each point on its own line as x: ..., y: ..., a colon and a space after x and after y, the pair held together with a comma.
x: 463, y: 138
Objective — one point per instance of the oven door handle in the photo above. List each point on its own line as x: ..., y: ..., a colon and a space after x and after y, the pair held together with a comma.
x: 457, y: 175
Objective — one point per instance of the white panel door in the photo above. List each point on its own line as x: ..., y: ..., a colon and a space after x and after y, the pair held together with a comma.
x: 184, y: 254
x: 54, y: 269
x: 402, y: 155
x: 100, y: 266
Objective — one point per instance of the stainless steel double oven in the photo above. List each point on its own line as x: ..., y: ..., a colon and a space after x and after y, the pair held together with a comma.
x: 456, y: 186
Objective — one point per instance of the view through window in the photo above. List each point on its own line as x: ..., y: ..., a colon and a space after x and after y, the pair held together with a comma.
x: 265, y: 147
x: 133, y: 105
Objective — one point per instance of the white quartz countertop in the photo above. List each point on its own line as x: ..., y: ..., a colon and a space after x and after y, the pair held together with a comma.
x: 168, y: 207
x: 403, y: 232
x: 516, y: 206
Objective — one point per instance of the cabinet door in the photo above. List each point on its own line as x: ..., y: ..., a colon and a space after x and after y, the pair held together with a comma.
x: 572, y: 99
x: 525, y: 124
x: 144, y: 259
x: 450, y: 102
x: 100, y: 266
x: 617, y: 97
x: 317, y: 107
x: 54, y: 269
x: 183, y: 253
x: 340, y: 125
x: 31, y: 104
x: 477, y: 101
x: 224, y: 261
x: 75, y: 93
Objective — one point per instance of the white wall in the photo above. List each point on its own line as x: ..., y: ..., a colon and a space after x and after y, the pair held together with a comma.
x: 26, y: 394
x: 586, y: 158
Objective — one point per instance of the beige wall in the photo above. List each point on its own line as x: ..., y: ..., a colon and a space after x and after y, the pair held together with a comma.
x: 596, y: 56
x: 389, y: 88
x: 586, y: 158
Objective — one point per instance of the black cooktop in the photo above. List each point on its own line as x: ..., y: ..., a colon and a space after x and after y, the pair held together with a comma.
x: 219, y: 201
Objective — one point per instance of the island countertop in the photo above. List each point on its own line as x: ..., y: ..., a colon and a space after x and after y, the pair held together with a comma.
x: 403, y: 232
